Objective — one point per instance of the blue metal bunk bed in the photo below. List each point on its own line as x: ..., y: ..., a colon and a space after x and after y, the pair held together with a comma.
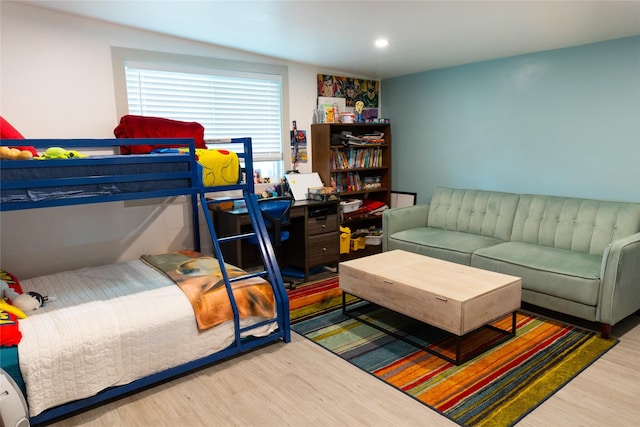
x: 111, y: 178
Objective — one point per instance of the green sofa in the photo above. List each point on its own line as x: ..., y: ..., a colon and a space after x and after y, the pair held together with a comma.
x: 576, y: 256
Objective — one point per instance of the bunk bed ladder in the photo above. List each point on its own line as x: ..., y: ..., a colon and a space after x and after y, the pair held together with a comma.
x: 271, y: 270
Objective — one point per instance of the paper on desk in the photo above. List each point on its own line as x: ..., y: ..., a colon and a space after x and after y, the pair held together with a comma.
x: 299, y: 183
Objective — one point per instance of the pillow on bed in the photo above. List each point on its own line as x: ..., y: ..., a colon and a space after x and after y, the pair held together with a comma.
x: 156, y: 127
x: 10, y: 334
x: 218, y: 167
x: 7, y: 131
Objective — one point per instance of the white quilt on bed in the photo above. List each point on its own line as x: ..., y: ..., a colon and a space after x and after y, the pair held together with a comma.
x: 107, y: 326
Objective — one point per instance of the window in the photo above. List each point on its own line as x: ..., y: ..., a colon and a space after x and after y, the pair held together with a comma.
x: 228, y: 103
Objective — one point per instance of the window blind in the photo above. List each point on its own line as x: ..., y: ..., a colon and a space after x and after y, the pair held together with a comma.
x: 227, y: 106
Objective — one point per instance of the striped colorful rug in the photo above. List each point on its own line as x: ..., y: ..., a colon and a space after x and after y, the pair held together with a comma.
x: 497, y: 388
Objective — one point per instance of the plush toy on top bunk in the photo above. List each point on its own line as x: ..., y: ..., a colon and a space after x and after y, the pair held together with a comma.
x: 7, y: 131
x: 219, y: 167
x: 14, y: 153
x: 60, y: 153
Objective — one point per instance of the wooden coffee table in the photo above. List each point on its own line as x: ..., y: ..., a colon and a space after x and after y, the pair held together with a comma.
x: 453, y: 297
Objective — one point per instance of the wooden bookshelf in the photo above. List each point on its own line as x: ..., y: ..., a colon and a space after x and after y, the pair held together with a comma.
x: 359, y: 171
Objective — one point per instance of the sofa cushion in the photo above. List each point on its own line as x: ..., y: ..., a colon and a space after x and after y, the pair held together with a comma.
x: 558, y: 272
x: 449, y: 245
x: 581, y: 225
x: 485, y: 213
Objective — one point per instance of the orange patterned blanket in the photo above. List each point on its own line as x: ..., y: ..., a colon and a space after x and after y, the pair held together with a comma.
x: 201, y: 281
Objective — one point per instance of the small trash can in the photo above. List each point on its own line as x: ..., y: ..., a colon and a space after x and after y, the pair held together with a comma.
x: 345, y: 237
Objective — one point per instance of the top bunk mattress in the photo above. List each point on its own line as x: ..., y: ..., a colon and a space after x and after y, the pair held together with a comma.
x: 60, y: 179
x: 107, y: 326
x: 28, y: 184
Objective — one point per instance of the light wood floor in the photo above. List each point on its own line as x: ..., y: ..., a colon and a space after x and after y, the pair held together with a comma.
x: 300, y: 384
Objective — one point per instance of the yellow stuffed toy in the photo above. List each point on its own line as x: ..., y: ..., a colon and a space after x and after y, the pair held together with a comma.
x: 219, y: 167
x: 19, y: 302
x: 15, y: 154
x: 60, y: 153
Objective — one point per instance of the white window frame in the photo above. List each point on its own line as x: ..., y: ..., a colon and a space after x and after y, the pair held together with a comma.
x: 276, y: 162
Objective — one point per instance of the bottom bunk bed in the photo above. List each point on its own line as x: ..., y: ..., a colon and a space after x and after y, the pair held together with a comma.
x: 128, y: 324
x: 108, y: 331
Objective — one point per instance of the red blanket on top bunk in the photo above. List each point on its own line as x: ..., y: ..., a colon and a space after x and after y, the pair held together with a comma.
x: 132, y: 126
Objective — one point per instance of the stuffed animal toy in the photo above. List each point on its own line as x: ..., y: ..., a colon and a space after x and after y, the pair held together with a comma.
x: 219, y: 167
x: 8, y: 132
x: 20, y: 303
x: 59, y: 153
x: 14, y: 153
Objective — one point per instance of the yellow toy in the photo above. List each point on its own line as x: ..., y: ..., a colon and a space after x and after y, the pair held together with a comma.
x: 15, y: 154
x: 219, y: 167
x: 59, y: 153
x: 5, y: 306
x: 19, y: 302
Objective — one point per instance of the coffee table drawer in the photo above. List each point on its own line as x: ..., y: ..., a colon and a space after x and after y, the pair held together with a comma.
x: 425, y: 306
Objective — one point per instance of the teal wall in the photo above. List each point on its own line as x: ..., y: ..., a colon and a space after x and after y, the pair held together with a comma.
x: 561, y: 122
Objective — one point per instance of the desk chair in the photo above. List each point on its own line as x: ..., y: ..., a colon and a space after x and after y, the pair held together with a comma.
x: 275, y: 212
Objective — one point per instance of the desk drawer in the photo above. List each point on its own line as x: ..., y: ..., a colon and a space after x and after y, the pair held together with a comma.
x: 323, y: 249
x: 322, y: 224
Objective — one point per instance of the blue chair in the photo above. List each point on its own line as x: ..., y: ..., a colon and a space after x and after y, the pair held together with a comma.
x: 275, y: 212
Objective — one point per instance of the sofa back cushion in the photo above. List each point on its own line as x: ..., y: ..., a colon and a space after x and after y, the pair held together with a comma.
x: 486, y: 213
x: 581, y: 225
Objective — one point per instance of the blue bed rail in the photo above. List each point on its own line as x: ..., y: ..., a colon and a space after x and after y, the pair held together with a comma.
x: 183, y: 180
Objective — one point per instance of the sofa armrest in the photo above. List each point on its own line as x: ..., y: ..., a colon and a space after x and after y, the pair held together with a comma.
x: 398, y: 219
x: 620, y: 275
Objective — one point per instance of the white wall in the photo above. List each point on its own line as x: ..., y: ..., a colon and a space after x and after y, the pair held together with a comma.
x: 56, y: 82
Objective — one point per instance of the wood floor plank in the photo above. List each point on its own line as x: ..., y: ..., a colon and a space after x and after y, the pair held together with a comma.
x: 300, y: 384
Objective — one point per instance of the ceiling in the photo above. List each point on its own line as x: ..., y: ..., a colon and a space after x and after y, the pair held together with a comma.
x: 339, y: 35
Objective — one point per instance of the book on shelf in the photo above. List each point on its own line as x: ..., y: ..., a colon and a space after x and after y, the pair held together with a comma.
x: 373, y: 138
x: 350, y: 158
x: 349, y: 181
x: 347, y: 139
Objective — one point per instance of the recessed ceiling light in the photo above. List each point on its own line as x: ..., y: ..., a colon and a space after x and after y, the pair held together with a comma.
x: 381, y: 42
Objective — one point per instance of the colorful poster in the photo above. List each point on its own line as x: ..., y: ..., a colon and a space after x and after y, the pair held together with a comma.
x: 299, y: 147
x: 351, y: 89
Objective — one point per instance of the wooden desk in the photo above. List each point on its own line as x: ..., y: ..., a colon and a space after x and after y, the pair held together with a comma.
x: 314, y: 237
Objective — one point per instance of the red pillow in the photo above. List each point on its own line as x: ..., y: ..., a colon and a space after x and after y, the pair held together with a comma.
x: 156, y: 127
x: 10, y: 334
x: 7, y: 131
